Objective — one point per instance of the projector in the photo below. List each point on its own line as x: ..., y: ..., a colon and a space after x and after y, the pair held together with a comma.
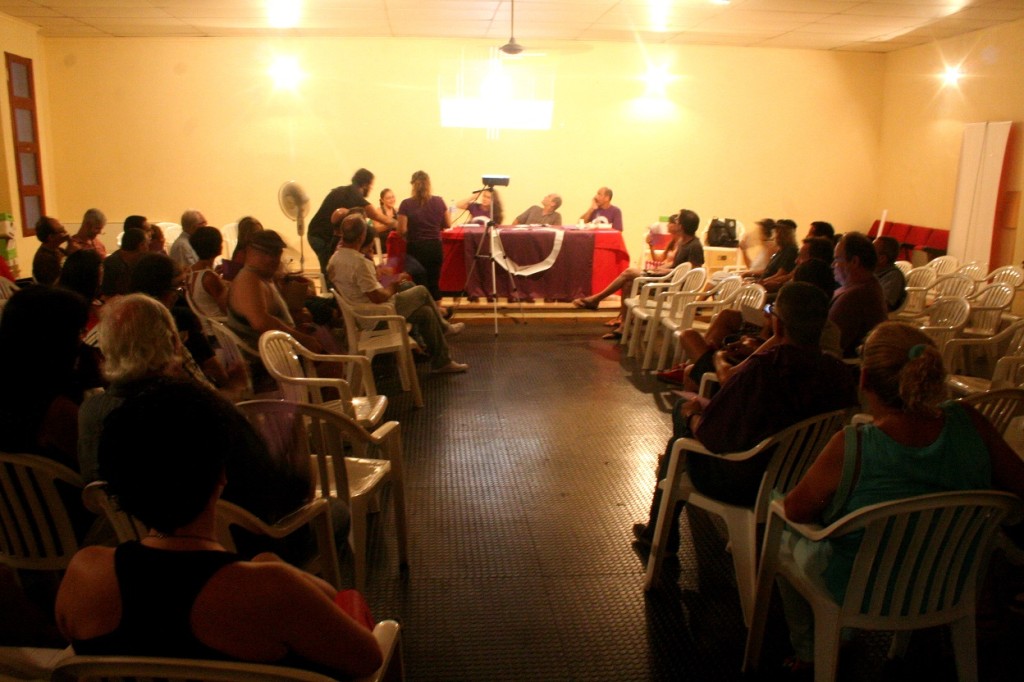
x: 495, y: 180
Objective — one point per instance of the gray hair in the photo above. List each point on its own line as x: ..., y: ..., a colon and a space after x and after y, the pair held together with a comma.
x: 190, y: 220
x: 138, y: 338
x: 94, y: 216
x: 556, y: 200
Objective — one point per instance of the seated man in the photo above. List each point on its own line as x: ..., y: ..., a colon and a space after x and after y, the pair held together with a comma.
x: 118, y: 266
x: 545, y: 214
x: 858, y: 304
x: 894, y: 284
x: 49, y: 258
x: 786, y: 381
x: 353, y: 275
x: 255, y: 304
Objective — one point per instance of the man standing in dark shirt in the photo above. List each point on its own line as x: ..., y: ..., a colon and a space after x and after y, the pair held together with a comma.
x: 336, y: 204
x: 786, y: 381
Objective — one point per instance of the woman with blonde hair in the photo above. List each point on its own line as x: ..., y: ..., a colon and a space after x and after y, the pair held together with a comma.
x: 917, y: 444
x: 420, y: 220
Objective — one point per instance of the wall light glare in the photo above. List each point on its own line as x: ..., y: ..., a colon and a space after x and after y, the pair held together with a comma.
x: 286, y: 73
x: 284, y: 13
x: 952, y: 75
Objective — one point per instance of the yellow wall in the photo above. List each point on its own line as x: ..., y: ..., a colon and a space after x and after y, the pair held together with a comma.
x: 924, y: 121
x: 157, y: 125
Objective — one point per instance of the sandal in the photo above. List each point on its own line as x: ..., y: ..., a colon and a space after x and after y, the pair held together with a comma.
x: 584, y: 303
x: 614, y: 322
x: 613, y: 335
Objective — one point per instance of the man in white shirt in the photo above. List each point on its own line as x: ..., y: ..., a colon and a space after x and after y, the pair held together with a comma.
x: 354, y: 277
x: 181, y: 250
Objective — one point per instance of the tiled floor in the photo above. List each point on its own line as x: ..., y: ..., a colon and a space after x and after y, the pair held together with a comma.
x: 524, y: 477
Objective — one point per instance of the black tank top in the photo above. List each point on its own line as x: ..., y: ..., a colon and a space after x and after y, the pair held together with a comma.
x: 158, y: 589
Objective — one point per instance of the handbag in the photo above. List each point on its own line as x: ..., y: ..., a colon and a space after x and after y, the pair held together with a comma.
x: 722, y: 232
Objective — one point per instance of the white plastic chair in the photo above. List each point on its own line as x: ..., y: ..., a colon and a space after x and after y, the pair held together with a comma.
x: 748, y: 297
x: 140, y: 668
x: 682, y: 314
x: 36, y: 531
x: 987, y: 308
x: 919, y: 565
x: 793, y: 450
x: 376, y: 329
x: 945, y: 318
x: 904, y: 266
x: 294, y: 368
x: 320, y: 434
x: 644, y: 294
x: 1008, y: 274
x: 972, y: 363
x: 171, y: 232
x: 943, y: 265
x: 1000, y: 406
x: 918, y: 281
x: 647, y: 321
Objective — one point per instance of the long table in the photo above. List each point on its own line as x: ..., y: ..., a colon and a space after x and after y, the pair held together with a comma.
x: 587, y: 262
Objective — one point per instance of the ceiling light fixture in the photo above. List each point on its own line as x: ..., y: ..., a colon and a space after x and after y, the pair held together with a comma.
x: 512, y: 47
x: 284, y: 13
x: 952, y: 75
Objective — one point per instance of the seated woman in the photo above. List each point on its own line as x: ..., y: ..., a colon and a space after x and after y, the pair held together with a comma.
x: 784, y: 259
x: 207, y: 289
x: 916, y: 445
x: 683, y: 227
x: 178, y: 592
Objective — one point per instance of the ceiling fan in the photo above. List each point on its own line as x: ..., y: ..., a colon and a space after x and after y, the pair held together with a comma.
x: 512, y: 47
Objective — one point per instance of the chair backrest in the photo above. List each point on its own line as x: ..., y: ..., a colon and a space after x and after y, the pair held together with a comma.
x: 1000, y: 406
x: 171, y: 232
x: 953, y: 285
x: 36, y: 530
x: 948, y: 311
x: 1008, y: 274
x: 281, y: 356
x: 726, y: 289
x: 796, y: 448
x: 921, y: 277
x: 693, y: 280
x: 972, y: 270
x: 302, y: 433
x: 944, y: 265
x: 233, y: 351
x: 920, y: 559
x: 98, y: 501
x: 987, y: 308
x: 749, y: 295
x: 904, y: 266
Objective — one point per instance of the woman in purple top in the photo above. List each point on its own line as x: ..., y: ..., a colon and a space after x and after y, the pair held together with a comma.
x: 479, y: 205
x: 420, y: 220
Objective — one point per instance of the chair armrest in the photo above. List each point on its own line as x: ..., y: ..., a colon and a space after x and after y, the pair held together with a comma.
x: 707, y: 381
x: 243, y: 518
x: 811, y: 531
x: 389, y: 639
x: 384, y: 430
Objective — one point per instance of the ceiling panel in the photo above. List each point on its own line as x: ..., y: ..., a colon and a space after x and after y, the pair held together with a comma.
x: 816, y: 24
